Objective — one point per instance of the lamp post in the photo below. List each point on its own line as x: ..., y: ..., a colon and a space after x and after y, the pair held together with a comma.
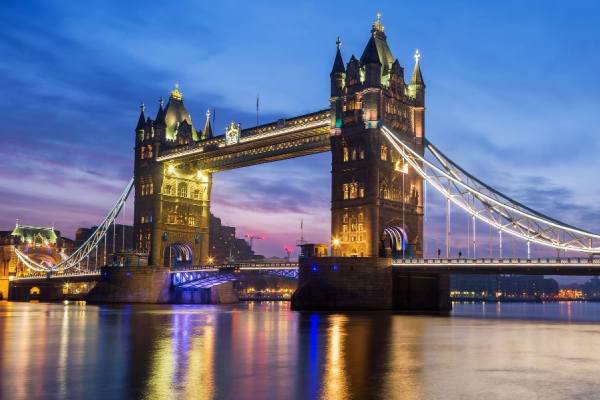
x: 335, y: 243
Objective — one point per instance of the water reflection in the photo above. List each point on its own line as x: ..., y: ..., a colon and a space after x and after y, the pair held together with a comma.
x: 266, y: 351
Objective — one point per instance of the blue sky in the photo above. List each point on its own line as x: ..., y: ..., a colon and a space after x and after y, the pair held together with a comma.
x: 512, y: 95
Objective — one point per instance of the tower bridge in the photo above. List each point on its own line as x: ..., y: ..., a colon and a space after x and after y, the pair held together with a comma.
x: 381, y: 165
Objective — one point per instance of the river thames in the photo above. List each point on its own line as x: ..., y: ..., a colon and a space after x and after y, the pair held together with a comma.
x: 266, y: 351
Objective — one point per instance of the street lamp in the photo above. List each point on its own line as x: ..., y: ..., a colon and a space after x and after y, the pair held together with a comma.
x: 335, y: 243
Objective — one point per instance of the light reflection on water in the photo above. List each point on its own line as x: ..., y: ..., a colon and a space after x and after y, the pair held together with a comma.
x: 266, y: 351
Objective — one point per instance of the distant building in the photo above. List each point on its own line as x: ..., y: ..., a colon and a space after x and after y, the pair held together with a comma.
x: 223, y: 245
x: 43, y: 245
x: 122, y: 234
x: 503, y: 286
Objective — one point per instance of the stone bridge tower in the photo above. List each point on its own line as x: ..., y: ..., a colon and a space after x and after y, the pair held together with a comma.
x: 171, y: 200
x: 372, y: 188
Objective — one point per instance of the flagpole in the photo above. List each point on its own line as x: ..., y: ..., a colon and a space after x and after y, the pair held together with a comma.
x: 257, y: 99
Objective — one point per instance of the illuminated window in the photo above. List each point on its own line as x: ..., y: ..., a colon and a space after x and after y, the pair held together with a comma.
x: 353, y: 154
x: 192, y: 220
x: 361, y: 190
x: 353, y: 190
x: 345, y: 153
x: 182, y: 190
x: 149, y: 151
x: 168, y: 189
x: 384, y: 151
x: 360, y: 217
x: 196, y: 194
x: 361, y: 152
x: 345, y: 218
x: 384, y: 191
x: 345, y: 191
x: 143, y: 152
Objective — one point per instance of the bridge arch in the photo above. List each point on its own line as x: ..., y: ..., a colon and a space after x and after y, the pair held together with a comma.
x: 395, y: 242
x: 178, y: 255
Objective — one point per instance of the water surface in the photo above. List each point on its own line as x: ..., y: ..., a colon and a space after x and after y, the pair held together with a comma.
x: 265, y: 351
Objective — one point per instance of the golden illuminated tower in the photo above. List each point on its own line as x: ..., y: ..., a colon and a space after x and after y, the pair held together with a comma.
x: 372, y: 188
x: 171, y: 215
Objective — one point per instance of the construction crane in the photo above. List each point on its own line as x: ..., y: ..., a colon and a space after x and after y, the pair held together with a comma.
x: 252, y: 237
x: 288, y: 252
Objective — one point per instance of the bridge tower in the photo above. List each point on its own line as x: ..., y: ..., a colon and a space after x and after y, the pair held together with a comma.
x: 372, y: 188
x: 171, y: 215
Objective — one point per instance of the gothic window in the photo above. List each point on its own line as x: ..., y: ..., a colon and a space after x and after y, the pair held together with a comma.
x: 353, y: 190
x: 192, y: 220
x: 346, y: 191
x: 396, y: 189
x: 353, y: 154
x: 345, y: 218
x: 384, y: 152
x: 151, y: 188
x: 182, y: 190
x: 143, y: 152
x: 345, y: 153
x: 384, y: 191
x: 360, y: 218
x: 149, y: 151
x: 196, y: 194
x: 361, y: 190
x: 361, y: 152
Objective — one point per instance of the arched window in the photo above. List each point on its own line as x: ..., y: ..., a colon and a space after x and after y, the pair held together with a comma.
x: 149, y: 151
x: 345, y: 191
x: 143, y: 152
x: 353, y: 190
x: 384, y: 151
x: 384, y: 191
x: 345, y: 151
x: 182, y: 190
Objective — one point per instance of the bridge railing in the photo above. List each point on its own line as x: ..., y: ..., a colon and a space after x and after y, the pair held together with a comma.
x: 241, y: 266
x: 70, y: 274
x: 503, y: 261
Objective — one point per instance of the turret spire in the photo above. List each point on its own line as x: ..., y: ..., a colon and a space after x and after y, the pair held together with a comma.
x: 142, y: 120
x: 417, y: 77
x: 207, y: 132
x: 176, y: 94
x: 160, y: 115
x: 338, y: 63
x: 377, y: 25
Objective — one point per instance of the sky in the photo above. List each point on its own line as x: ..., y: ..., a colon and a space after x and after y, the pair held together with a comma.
x: 512, y: 96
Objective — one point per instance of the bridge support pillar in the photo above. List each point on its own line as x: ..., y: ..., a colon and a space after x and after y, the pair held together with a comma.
x: 367, y: 283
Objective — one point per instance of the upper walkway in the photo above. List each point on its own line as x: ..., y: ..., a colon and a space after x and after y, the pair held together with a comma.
x: 523, y: 266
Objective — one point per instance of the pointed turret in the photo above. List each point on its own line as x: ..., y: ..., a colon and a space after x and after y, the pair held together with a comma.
x: 417, y: 77
x: 338, y: 72
x: 141, y: 120
x: 207, y: 133
x: 160, y: 115
x: 338, y: 63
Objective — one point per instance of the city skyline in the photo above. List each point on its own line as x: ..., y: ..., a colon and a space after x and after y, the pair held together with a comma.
x: 72, y: 133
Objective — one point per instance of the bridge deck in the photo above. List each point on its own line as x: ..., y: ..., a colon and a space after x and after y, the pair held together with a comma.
x: 515, y: 266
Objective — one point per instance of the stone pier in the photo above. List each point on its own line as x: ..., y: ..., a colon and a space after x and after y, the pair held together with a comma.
x: 153, y: 285
x: 367, y: 283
